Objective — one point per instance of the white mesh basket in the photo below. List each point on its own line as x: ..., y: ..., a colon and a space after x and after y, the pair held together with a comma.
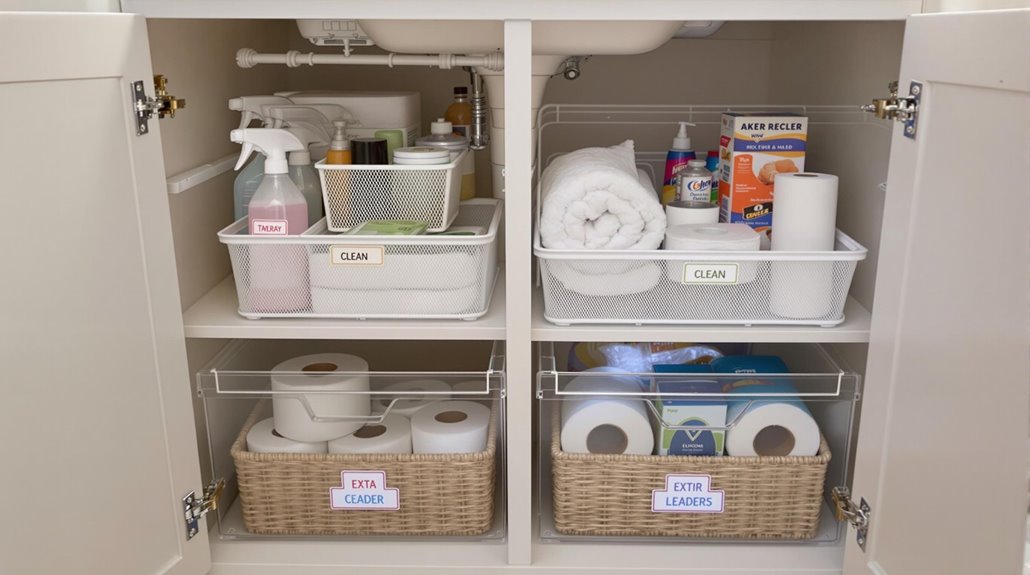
x: 354, y: 194
x: 698, y: 287
x: 318, y: 274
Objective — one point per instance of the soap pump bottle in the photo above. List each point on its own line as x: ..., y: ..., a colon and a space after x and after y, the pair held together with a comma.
x: 277, y: 273
x: 339, y: 148
x: 676, y: 161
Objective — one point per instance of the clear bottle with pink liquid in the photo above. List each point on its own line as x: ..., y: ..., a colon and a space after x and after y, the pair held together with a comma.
x: 278, y: 273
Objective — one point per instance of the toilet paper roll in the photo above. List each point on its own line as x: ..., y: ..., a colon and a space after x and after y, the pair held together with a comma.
x: 606, y: 424
x: 713, y: 237
x: 805, y: 213
x: 413, y: 403
x: 392, y: 435
x: 770, y: 427
x: 262, y: 438
x: 690, y: 212
x: 450, y: 427
x: 320, y: 373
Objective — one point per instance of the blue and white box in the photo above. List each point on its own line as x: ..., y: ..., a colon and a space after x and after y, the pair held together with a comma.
x: 685, y: 412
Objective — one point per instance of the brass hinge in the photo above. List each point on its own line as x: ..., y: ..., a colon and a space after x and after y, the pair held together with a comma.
x: 857, y: 515
x: 194, y: 509
x: 163, y: 104
x: 903, y: 109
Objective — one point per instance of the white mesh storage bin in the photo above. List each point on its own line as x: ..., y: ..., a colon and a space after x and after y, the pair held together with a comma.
x: 318, y: 274
x: 698, y: 287
x: 354, y: 194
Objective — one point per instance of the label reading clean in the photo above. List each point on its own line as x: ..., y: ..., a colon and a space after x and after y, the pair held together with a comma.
x: 269, y: 228
x: 687, y: 494
x: 340, y: 255
x: 725, y: 274
x: 364, y: 490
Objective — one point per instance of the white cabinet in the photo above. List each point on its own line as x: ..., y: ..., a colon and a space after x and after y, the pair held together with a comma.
x: 102, y: 447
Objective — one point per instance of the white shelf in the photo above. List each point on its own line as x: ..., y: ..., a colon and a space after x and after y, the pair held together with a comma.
x: 215, y: 316
x: 855, y: 329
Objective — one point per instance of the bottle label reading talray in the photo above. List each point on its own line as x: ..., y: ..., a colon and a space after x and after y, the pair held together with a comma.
x: 269, y: 227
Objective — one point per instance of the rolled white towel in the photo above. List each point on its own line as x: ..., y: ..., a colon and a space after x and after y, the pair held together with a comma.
x: 593, y: 198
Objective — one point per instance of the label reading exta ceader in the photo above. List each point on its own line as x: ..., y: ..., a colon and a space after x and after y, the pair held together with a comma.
x: 724, y: 274
x: 364, y: 490
x: 341, y: 255
x: 688, y: 494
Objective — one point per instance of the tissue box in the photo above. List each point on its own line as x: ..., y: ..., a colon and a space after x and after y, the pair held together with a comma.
x: 753, y: 148
x: 686, y: 412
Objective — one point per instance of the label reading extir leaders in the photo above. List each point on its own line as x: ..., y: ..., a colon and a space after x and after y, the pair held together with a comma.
x: 364, y: 490
x: 341, y: 255
x: 688, y: 494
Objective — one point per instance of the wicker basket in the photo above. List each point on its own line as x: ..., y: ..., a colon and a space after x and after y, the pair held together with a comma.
x: 441, y: 494
x: 765, y: 497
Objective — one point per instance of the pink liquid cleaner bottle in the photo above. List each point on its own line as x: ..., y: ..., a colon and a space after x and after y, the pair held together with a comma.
x: 278, y: 273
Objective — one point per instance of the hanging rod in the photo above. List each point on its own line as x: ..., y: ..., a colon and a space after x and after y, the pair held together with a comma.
x: 191, y: 178
x: 248, y: 58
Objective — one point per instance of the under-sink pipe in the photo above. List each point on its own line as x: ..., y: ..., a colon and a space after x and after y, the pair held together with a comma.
x: 479, y: 137
x: 248, y: 58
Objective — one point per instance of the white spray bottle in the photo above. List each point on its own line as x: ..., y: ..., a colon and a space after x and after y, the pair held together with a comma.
x: 278, y: 273
x: 248, y: 180
x: 328, y: 114
x: 302, y: 173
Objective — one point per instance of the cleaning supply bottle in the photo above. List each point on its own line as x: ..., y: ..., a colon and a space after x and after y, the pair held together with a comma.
x: 676, y: 160
x: 695, y: 183
x: 459, y: 113
x: 339, y: 148
x: 712, y: 165
x: 302, y: 173
x: 442, y: 136
x: 280, y: 117
x: 248, y: 180
x: 278, y: 274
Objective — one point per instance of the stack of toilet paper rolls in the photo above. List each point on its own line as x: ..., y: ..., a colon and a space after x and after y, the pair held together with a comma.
x: 321, y: 404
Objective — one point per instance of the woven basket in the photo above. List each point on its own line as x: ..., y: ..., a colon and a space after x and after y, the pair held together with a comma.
x: 440, y: 494
x: 765, y: 497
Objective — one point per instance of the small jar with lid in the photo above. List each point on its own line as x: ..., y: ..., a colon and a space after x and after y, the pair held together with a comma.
x: 442, y: 136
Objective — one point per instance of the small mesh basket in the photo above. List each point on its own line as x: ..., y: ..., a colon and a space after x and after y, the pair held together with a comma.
x: 354, y: 194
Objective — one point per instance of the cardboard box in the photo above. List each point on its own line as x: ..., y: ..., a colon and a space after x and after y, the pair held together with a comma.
x: 753, y: 148
x: 686, y: 412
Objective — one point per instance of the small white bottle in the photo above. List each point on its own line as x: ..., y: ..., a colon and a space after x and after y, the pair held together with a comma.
x: 695, y: 183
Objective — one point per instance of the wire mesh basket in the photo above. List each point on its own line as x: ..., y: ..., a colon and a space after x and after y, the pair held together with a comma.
x: 317, y: 274
x: 354, y: 194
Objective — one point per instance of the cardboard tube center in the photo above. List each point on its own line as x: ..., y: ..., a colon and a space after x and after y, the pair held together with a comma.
x: 607, y: 438
x: 370, y: 431
x: 451, y: 416
x: 774, y: 440
x: 319, y: 367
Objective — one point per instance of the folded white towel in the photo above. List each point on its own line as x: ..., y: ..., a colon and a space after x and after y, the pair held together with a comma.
x: 606, y: 278
x: 353, y: 302
x: 450, y: 270
x: 593, y: 198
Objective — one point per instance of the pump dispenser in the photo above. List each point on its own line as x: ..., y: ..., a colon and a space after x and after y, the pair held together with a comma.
x: 339, y: 148
x: 676, y: 161
x: 248, y: 180
x: 278, y: 273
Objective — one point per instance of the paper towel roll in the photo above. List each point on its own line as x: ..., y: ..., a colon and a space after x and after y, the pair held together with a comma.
x: 606, y: 424
x: 262, y: 438
x: 392, y: 435
x: 690, y: 212
x: 773, y: 427
x: 450, y: 427
x: 413, y: 403
x: 318, y: 373
x: 805, y: 212
x: 713, y: 237
x: 804, y: 219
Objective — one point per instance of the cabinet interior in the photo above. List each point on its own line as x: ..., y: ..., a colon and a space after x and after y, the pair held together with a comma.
x: 743, y: 64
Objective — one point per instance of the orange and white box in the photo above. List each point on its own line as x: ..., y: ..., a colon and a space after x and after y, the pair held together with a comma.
x: 753, y: 148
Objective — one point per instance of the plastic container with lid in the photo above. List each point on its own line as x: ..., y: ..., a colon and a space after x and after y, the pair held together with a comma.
x: 442, y: 136
x: 695, y: 182
x: 421, y: 156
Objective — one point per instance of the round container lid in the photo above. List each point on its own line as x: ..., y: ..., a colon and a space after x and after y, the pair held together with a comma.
x: 696, y: 163
x: 448, y: 142
x: 421, y: 153
x: 441, y: 126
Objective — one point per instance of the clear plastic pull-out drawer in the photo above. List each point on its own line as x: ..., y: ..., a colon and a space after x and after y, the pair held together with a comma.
x: 370, y: 480
x: 610, y: 482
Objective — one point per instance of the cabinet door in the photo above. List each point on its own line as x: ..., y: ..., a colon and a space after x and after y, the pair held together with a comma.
x: 99, y: 446
x: 942, y: 457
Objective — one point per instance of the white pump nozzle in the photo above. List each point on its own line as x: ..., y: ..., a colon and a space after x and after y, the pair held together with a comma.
x: 273, y: 143
x: 252, y: 107
x: 340, y: 141
x: 682, y: 140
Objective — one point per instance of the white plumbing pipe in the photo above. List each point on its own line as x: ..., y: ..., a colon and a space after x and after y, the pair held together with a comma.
x: 248, y: 58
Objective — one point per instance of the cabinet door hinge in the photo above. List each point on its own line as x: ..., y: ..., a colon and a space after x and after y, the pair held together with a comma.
x: 857, y: 515
x: 904, y: 109
x: 194, y: 508
x: 163, y: 104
